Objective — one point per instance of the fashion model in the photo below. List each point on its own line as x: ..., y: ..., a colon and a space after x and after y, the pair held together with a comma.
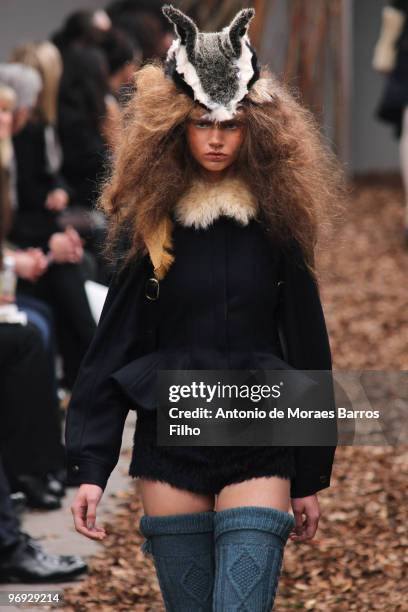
x: 219, y: 185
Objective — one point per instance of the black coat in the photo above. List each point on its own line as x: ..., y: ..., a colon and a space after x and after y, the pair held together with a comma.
x: 100, y: 401
x: 33, y: 223
x: 81, y: 109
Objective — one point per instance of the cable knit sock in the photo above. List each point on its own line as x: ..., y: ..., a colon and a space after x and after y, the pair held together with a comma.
x: 182, y: 547
x: 249, y: 543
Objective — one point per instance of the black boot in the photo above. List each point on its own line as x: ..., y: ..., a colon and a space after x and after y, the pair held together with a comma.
x: 27, y: 562
x: 74, y: 561
x: 60, y: 475
x: 18, y: 502
x: 54, y: 485
x: 36, y: 493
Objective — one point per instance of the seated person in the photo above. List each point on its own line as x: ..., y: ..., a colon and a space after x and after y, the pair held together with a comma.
x: 22, y: 559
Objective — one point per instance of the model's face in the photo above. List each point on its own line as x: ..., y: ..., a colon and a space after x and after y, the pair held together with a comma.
x: 215, y: 146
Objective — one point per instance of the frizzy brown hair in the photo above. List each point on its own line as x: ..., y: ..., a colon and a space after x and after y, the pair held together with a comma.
x: 284, y: 159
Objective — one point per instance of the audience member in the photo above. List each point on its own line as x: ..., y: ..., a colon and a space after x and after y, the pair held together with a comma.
x: 22, y: 559
x: 62, y: 284
x: 144, y: 23
x: 60, y: 103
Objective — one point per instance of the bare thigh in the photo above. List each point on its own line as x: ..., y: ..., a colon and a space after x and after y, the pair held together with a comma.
x: 270, y: 491
x: 161, y: 498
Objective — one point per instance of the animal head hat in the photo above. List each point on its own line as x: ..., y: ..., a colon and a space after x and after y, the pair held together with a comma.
x: 215, y: 68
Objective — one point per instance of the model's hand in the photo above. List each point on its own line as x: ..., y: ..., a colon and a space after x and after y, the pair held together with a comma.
x: 306, y: 527
x: 84, y: 511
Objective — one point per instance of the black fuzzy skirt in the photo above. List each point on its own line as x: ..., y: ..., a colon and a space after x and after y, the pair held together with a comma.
x: 203, y: 469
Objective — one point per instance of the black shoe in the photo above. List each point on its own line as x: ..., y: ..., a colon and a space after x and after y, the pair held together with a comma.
x: 60, y: 475
x: 54, y: 485
x: 37, y: 494
x: 19, y: 502
x: 27, y: 562
x: 73, y: 561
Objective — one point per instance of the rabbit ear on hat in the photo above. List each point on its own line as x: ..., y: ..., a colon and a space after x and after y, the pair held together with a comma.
x: 239, y: 27
x: 184, y: 27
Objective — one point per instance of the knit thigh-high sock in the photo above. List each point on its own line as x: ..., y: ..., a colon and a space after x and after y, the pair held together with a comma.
x: 249, y: 543
x: 182, y: 547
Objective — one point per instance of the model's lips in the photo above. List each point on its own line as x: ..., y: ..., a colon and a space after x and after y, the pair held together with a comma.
x: 215, y: 155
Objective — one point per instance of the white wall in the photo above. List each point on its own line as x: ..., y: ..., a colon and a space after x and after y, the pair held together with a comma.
x: 25, y: 20
x: 373, y: 145
x: 370, y: 143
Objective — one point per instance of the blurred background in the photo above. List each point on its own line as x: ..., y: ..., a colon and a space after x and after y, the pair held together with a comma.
x: 66, y: 69
x: 328, y: 44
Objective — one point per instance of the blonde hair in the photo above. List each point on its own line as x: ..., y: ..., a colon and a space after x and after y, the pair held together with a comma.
x: 44, y: 57
x: 8, y: 98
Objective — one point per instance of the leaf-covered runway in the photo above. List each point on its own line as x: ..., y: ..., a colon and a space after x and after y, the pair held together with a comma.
x: 359, y: 557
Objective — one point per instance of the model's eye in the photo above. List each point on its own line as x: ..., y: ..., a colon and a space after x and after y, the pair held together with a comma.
x: 231, y: 126
x: 201, y: 124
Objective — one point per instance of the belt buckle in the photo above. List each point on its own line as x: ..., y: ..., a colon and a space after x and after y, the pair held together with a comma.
x: 152, y: 288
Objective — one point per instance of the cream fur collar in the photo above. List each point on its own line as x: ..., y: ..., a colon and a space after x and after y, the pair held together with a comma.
x: 204, y: 202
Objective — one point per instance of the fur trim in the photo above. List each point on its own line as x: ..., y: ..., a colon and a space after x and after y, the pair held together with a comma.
x: 204, y: 202
x: 199, y: 207
x: 159, y: 246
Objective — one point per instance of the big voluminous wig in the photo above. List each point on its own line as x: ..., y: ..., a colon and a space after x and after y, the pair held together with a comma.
x: 284, y: 159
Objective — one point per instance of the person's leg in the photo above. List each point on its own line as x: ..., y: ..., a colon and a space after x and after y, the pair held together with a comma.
x: 403, y: 150
x: 178, y: 527
x: 269, y: 491
x: 32, y: 444
x: 74, y: 320
x: 160, y: 498
x: 9, y: 525
x: 251, y: 527
x: 22, y: 559
x: 62, y: 288
x: 41, y: 316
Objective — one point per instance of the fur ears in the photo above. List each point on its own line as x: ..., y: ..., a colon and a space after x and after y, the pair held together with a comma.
x: 238, y: 28
x: 184, y: 27
x: 215, y: 68
x: 187, y: 30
